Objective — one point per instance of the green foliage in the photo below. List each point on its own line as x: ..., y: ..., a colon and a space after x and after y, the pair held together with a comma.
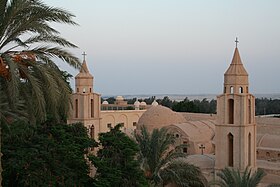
x: 195, y: 106
x: 45, y: 155
x: 115, y: 161
x: 31, y: 84
x: 266, y: 106
x: 163, y: 162
x: 232, y: 178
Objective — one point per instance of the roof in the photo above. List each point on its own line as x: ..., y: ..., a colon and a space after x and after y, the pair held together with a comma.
x: 205, y: 161
x: 84, y: 72
x: 158, y: 117
x: 197, y: 131
x: 236, y: 67
x: 268, y: 141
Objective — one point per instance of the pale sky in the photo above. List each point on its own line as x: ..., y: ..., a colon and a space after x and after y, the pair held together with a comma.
x: 174, y: 46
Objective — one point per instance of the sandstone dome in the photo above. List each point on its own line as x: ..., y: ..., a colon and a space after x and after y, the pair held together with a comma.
x: 105, y: 102
x: 136, y: 103
x: 119, y: 98
x: 159, y: 116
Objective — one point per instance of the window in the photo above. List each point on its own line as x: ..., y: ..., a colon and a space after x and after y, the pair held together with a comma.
x: 90, y: 90
x: 177, y: 135
x: 77, y: 90
x: 109, y: 125
x: 92, y: 131
x: 134, y: 124
x: 84, y: 90
x: 268, y: 154
x: 91, y: 108
x: 225, y: 89
x: 249, y: 149
x: 76, y: 108
x: 230, y: 111
x: 185, y: 149
x: 249, y: 112
x: 230, y: 150
x: 231, y: 90
x: 240, y: 89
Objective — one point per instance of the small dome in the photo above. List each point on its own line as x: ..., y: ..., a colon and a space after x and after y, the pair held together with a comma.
x: 158, y: 117
x: 155, y: 103
x: 137, y: 103
x: 143, y: 103
x: 119, y: 98
x: 105, y: 103
x: 206, y: 161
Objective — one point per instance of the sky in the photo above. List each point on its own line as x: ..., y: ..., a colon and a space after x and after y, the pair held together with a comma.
x: 174, y: 46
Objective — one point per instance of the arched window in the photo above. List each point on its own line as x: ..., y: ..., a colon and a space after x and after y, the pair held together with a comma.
x: 249, y: 112
x: 91, y: 108
x: 231, y: 89
x: 249, y: 149
x: 76, y: 108
x: 89, y: 90
x: 84, y: 90
x: 247, y: 89
x: 230, y: 111
x: 240, y: 89
x: 225, y: 89
x: 77, y: 90
x: 92, y: 131
x: 230, y: 150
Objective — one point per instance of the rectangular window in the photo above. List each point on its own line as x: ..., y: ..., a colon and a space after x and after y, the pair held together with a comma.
x: 109, y: 125
x: 134, y: 124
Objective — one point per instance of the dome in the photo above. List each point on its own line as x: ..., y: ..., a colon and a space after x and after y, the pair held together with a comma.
x: 136, y: 103
x: 119, y: 98
x: 205, y: 161
x: 268, y: 141
x: 154, y: 103
x: 158, y: 117
x: 143, y: 103
x: 105, y: 103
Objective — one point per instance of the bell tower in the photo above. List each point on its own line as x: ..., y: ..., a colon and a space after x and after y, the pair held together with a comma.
x: 85, y: 103
x: 235, y: 135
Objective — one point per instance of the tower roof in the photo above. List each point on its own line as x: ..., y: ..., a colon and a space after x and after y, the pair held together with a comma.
x: 236, y: 67
x: 84, y: 72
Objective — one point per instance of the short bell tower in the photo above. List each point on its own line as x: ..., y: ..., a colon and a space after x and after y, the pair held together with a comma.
x: 85, y: 103
x: 235, y: 136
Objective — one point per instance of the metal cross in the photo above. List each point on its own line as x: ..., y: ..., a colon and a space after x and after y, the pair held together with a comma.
x: 84, y: 54
x: 236, y: 41
x: 202, y: 147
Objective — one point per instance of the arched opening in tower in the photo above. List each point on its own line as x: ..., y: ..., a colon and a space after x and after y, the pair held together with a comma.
x: 230, y: 111
x: 230, y: 150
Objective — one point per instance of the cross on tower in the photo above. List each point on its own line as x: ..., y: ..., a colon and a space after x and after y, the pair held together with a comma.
x: 84, y: 54
x: 202, y: 147
x: 236, y: 41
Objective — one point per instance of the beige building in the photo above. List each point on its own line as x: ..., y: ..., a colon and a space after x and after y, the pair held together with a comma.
x: 232, y: 138
x: 97, y: 117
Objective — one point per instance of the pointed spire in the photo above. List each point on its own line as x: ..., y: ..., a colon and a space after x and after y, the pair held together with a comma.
x: 84, y: 68
x: 236, y: 67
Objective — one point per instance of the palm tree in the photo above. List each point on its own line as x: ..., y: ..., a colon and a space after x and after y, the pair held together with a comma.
x: 163, y: 162
x: 28, y: 45
x: 232, y: 178
x: 31, y: 84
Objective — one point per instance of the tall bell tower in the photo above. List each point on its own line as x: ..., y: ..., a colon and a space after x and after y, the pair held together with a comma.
x: 85, y: 103
x: 235, y: 135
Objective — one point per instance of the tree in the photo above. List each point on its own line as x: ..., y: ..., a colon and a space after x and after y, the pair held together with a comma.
x: 45, y: 155
x: 31, y: 84
x: 163, y: 163
x: 115, y: 161
x: 232, y: 178
x: 27, y: 46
